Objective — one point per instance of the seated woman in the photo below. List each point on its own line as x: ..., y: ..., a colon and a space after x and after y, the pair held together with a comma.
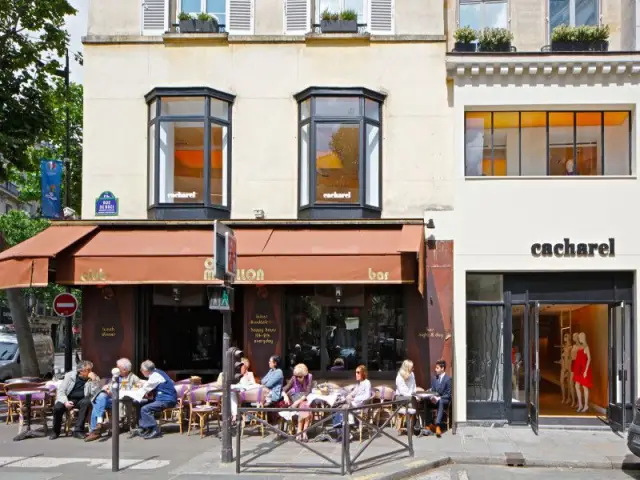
x: 360, y: 394
x: 295, y: 395
x: 273, y: 380
x: 246, y: 381
x: 406, y: 385
x: 406, y: 380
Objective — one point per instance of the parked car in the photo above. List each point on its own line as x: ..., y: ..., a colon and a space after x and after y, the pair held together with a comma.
x: 633, y: 435
x: 10, y: 356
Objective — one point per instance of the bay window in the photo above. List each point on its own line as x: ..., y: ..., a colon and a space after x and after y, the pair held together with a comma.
x: 339, y: 153
x: 189, y: 153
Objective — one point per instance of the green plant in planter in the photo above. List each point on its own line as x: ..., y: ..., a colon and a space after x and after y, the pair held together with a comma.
x: 601, y: 33
x: 328, y: 16
x: 184, y: 16
x: 563, y: 34
x: 349, y: 15
x: 495, y: 40
x: 204, y: 17
x: 465, y: 35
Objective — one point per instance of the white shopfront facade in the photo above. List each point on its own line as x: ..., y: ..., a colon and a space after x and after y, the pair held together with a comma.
x: 511, y: 196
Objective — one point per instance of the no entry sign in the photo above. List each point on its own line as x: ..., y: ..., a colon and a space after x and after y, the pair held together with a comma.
x: 65, y: 305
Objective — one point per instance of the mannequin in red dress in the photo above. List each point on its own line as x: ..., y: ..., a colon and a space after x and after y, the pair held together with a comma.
x: 582, y: 373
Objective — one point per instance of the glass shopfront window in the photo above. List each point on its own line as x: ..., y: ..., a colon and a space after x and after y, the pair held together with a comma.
x: 363, y: 328
x: 548, y: 143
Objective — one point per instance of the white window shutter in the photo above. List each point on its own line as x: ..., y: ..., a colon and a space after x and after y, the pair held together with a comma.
x: 240, y: 17
x: 154, y: 17
x: 381, y: 16
x: 297, y: 16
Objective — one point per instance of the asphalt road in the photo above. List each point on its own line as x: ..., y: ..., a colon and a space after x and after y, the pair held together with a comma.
x: 479, y: 472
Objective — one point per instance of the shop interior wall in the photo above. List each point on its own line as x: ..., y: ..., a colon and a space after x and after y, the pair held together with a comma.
x: 108, y: 326
x: 593, y: 320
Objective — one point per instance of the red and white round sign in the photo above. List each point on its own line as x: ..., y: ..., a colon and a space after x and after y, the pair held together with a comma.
x: 65, y: 305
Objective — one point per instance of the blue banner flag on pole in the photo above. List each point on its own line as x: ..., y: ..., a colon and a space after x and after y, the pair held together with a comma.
x: 50, y: 182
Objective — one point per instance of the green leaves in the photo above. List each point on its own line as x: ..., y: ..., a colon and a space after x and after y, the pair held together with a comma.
x: 17, y: 226
x: 465, y: 35
x: 31, y: 36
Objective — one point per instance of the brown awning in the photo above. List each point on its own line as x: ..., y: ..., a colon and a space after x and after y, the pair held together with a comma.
x: 266, y: 256
x: 27, y: 264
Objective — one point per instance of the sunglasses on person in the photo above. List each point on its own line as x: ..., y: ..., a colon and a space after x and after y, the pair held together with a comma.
x: 358, y: 372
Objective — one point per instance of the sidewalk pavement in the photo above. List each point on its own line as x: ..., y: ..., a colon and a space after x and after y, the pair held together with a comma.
x: 179, y: 457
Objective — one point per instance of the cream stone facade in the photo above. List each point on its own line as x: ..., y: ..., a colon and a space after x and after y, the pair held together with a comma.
x: 496, y: 220
x: 264, y: 71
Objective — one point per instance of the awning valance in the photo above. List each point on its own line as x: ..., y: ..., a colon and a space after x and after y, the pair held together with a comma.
x: 265, y: 256
x: 27, y: 264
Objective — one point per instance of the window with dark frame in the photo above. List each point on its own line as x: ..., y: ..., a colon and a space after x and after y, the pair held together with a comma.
x: 548, y: 143
x: 340, y: 149
x: 189, y: 148
x: 318, y: 334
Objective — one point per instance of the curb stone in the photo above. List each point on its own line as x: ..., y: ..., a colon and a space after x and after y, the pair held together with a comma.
x: 413, y: 468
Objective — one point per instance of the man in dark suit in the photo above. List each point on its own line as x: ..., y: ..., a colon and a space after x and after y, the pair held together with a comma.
x: 441, y: 385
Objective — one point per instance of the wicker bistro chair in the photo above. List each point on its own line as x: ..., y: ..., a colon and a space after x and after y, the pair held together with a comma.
x: 384, y: 393
x: 4, y: 401
x: 39, y: 406
x: 176, y: 414
x: 366, y: 413
x: 203, y: 405
x: 256, y: 397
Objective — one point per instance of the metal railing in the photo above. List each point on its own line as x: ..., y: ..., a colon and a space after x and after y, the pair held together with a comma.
x: 348, y: 463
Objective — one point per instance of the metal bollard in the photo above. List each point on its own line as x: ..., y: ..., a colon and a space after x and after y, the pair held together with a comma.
x: 115, y: 420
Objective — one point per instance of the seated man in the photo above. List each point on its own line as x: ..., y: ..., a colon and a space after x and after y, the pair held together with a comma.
x: 441, y: 385
x: 102, y: 400
x: 162, y: 395
x: 76, y: 391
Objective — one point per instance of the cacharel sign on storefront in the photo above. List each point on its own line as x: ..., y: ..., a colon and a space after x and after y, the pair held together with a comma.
x: 570, y: 249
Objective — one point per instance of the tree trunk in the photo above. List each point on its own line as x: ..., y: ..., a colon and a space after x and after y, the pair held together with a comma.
x: 28, y: 359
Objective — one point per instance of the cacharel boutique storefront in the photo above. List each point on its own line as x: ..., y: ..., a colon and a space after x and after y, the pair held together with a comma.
x: 309, y: 291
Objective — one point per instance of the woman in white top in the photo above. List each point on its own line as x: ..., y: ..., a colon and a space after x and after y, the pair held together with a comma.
x: 406, y: 380
x: 362, y: 391
x: 246, y: 382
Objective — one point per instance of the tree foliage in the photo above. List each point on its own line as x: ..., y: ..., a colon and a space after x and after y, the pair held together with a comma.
x: 32, y: 36
x: 53, y: 146
x: 345, y: 143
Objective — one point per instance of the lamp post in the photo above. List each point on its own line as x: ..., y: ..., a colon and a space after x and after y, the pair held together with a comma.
x: 68, y: 351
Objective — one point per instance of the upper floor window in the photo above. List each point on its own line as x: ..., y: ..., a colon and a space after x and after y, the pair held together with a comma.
x: 573, y: 13
x: 548, y: 143
x: 340, y: 152
x: 375, y: 16
x: 233, y: 16
x: 189, y: 153
x: 216, y: 8
x: 480, y: 14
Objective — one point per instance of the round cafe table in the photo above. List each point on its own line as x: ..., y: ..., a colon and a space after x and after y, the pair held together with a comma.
x: 28, y: 433
x: 424, y: 398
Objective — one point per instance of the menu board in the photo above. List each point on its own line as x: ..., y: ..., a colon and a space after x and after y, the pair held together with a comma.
x: 263, y: 326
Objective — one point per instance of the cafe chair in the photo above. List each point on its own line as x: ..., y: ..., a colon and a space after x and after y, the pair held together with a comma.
x: 13, y: 404
x: 384, y: 394
x: 39, y: 408
x: 177, y: 414
x: 202, y: 406
x: 256, y: 397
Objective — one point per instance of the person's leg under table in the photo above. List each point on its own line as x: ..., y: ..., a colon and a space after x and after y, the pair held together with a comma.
x: 147, y: 418
x: 442, y: 404
x: 58, y: 412
x: 83, y: 406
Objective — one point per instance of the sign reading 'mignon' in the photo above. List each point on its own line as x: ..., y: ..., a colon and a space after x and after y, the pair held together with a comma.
x: 570, y: 249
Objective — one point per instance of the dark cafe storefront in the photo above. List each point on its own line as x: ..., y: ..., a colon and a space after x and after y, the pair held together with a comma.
x: 308, y: 291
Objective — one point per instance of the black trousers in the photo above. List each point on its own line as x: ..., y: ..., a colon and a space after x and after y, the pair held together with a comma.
x: 83, y: 409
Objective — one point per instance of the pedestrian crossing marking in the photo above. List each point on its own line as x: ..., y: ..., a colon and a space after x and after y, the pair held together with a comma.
x: 100, y: 463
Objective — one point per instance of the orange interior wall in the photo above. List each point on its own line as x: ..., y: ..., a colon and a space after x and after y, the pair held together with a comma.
x: 594, y: 322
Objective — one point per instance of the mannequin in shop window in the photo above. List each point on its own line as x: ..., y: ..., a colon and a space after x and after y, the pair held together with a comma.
x: 569, y: 167
x: 582, y: 373
x: 574, y: 353
x: 568, y: 391
x: 515, y: 369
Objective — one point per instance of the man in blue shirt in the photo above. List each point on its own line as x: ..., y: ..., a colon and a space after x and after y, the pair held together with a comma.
x: 163, y: 395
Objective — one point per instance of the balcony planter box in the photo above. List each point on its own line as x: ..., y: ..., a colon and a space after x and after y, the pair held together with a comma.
x: 464, y: 47
x: 187, y: 26
x: 503, y: 47
x: 339, y: 26
x: 580, y: 46
x: 206, y: 26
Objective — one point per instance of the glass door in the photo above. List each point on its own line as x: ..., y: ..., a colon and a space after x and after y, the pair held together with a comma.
x: 532, y: 317
x: 620, y: 411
